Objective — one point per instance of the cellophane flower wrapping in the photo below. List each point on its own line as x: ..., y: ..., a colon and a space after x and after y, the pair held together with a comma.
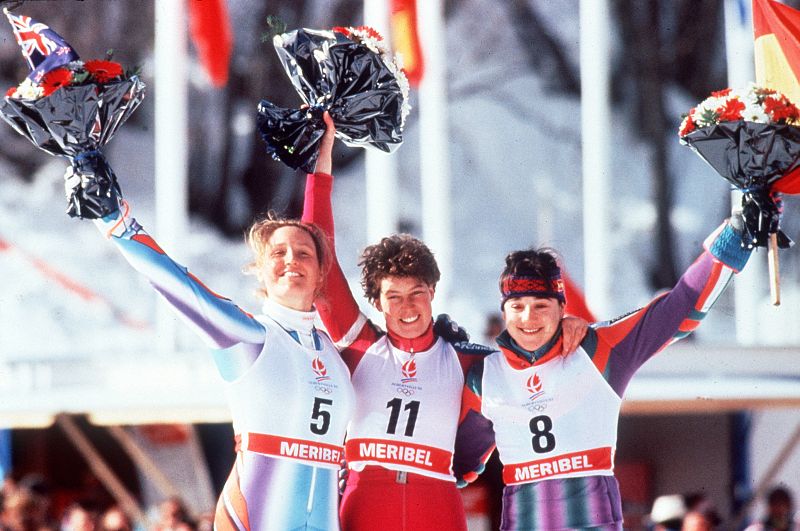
x: 750, y: 138
x: 76, y: 120
x: 346, y: 72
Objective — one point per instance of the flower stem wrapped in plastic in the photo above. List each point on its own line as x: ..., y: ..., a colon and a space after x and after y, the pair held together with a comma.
x: 70, y: 108
x: 752, y: 139
x: 347, y: 72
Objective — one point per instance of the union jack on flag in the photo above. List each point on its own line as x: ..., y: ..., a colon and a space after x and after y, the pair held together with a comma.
x: 43, y: 48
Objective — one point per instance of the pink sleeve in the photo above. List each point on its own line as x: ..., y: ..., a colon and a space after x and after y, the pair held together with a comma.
x: 336, y: 306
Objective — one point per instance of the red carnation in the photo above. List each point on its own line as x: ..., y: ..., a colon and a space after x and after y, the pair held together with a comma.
x: 10, y: 92
x: 342, y: 30
x: 103, y: 71
x: 731, y: 111
x: 688, y: 127
x: 371, y: 32
x: 721, y: 93
x: 55, y: 79
x: 780, y: 109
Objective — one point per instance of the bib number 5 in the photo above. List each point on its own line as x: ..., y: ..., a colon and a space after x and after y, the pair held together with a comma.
x: 543, y: 440
x: 321, y: 418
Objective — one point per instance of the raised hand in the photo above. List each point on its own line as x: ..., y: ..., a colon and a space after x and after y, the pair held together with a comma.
x: 325, y: 158
x: 91, y: 187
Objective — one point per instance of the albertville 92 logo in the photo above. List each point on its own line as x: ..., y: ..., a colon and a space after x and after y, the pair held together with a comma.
x: 319, y: 369
x: 534, y: 385
x: 409, y: 370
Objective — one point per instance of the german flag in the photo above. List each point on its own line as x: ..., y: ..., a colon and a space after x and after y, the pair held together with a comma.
x: 405, y: 39
x: 776, y: 30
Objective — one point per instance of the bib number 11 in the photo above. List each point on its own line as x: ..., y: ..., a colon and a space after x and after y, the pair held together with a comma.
x: 413, y: 410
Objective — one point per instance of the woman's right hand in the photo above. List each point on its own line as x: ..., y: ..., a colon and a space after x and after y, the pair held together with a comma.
x: 325, y: 157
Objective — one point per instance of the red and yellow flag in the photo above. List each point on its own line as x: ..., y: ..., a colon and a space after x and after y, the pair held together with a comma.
x: 405, y: 39
x: 776, y: 33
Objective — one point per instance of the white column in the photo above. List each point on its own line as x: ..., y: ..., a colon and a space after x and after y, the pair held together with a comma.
x: 749, y: 288
x: 434, y: 142
x: 598, y: 245
x: 171, y: 148
x: 380, y: 168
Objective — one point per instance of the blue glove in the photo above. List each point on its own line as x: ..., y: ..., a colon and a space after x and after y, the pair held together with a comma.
x: 449, y: 330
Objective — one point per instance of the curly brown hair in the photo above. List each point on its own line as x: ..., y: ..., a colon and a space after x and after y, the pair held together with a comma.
x: 398, y: 255
x: 261, y: 231
x: 542, y: 263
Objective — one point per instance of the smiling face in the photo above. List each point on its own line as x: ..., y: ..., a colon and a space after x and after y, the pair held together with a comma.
x: 291, y: 272
x: 406, y: 305
x: 532, y: 321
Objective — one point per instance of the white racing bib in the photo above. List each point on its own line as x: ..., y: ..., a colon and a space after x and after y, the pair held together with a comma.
x: 294, y: 402
x: 554, y: 420
x: 407, y: 409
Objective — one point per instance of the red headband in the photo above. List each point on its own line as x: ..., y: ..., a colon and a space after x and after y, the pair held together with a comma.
x: 523, y: 286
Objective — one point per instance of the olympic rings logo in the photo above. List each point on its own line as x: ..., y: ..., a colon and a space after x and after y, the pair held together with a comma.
x: 323, y: 390
x: 405, y: 391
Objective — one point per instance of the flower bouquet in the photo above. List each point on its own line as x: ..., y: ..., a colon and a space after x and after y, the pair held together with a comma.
x: 71, y: 108
x: 349, y: 73
x: 752, y: 139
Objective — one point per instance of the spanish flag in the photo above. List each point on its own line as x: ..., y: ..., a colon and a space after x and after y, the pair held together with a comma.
x: 405, y: 39
x: 776, y: 30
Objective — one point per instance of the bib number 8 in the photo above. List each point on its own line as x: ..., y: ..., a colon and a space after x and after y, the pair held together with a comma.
x: 543, y: 439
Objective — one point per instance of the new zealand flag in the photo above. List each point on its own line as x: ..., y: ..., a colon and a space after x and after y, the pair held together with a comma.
x: 43, y: 48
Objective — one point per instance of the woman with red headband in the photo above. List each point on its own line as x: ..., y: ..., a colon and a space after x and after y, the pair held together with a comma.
x: 554, y: 419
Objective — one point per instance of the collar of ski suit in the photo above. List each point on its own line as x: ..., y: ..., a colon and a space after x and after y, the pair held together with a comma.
x: 416, y: 344
x: 302, y: 322
x: 519, y: 358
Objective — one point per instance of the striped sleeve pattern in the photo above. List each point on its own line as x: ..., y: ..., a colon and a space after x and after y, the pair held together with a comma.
x: 216, y: 320
x: 620, y: 347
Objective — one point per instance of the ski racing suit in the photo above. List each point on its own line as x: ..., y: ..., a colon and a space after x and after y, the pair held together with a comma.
x: 554, y: 419
x: 288, y: 390
x: 399, y: 447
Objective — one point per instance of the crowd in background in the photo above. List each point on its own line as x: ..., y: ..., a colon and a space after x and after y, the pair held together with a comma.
x: 29, y: 505
x: 695, y: 512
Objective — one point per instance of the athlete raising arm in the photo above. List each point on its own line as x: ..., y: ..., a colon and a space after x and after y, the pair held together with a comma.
x: 289, y: 392
x: 553, y: 419
x: 408, y: 380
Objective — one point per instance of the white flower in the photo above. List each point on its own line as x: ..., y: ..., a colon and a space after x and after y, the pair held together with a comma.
x: 753, y: 112
x: 28, y: 90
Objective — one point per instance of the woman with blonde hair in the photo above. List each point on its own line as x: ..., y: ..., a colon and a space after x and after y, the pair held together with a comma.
x: 289, y: 392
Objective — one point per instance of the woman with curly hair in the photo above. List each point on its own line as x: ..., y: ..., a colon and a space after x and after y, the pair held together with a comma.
x: 408, y: 379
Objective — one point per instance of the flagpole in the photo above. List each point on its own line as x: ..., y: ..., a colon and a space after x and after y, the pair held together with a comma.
x: 171, y: 148
x: 380, y: 168
x: 434, y: 143
x: 598, y: 245
x: 739, y: 58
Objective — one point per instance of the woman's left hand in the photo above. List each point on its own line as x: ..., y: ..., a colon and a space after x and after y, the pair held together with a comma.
x: 573, y: 330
